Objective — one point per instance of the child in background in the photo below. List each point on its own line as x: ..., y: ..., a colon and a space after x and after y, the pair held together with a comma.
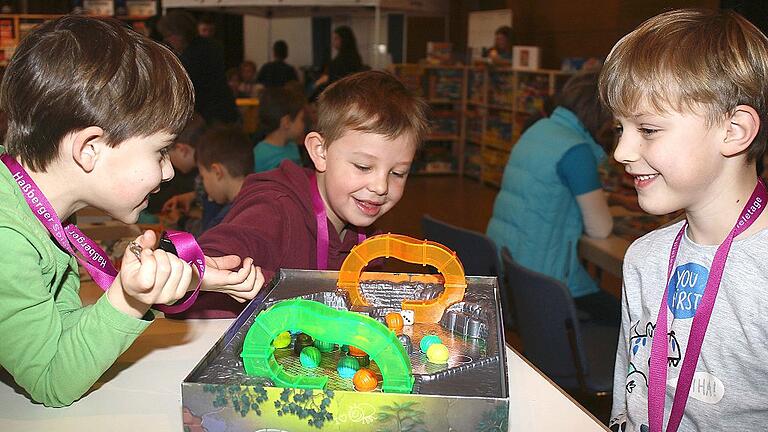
x: 175, y: 205
x: 689, y: 90
x: 248, y: 87
x: 90, y: 127
x: 233, y: 81
x: 281, y: 118
x: 224, y: 158
x: 369, y: 128
x: 183, y: 156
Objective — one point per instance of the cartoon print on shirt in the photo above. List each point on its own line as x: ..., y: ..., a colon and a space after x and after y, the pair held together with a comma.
x: 618, y: 423
x: 641, y: 341
x: 634, y: 377
x: 674, y: 356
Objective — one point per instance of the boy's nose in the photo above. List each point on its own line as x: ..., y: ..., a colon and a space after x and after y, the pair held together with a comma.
x: 379, y: 184
x: 167, y: 171
x: 626, y: 150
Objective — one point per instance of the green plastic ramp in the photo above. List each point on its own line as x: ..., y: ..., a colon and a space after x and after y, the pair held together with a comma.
x: 329, y: 325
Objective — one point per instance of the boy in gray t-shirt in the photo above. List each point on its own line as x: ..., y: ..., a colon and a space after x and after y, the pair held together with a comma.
x: 688, y: 89
x: 731, y: 375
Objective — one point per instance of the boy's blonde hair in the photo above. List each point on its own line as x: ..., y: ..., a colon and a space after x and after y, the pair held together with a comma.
x: 691, y: 60
x: 371, y: 102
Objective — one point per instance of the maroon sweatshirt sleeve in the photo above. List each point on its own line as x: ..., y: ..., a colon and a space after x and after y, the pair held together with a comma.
x: 273, y: 232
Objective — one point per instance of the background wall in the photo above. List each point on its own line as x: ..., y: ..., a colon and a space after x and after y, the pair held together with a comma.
x: 258, y: 39
x: 259, y: 34
x: 564, y: 28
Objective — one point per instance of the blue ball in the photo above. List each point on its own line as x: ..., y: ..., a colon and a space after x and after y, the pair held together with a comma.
x: 428, y: 341
x: 310, y: 357
x: 347, y: 367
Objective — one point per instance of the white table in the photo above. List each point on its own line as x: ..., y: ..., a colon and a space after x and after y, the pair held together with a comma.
x: 142, y: 391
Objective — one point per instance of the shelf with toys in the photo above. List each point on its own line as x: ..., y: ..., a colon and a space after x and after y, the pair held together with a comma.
x: 443, y: 87
x: 508, y: 100
x: 478, y: 113
x: 13, y: 28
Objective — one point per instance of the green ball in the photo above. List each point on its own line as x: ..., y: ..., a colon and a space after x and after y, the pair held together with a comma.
x: 438, y: 354
x: 283, y: 340
x: 310, y: 357
x: 347, y: 367
x: 324, y: 347
x: 428, y: 341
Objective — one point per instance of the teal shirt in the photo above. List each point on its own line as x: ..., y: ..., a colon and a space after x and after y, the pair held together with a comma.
x: 267, y: 156
x: 53, y: 347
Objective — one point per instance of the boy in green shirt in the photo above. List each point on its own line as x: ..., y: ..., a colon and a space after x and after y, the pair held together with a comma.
x: 92, y: 108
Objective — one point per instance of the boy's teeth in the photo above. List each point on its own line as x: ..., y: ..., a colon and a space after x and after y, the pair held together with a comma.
x: 646, y: 177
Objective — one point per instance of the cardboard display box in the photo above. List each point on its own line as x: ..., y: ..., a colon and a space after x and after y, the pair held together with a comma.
x: 469, y: 393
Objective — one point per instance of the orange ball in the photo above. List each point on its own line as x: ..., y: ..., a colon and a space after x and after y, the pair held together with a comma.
x: 355, y: 351
x: 394, y: 322
x: 365, y: 380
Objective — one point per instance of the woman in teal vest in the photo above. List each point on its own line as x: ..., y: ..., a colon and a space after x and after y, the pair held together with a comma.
x: 551, y: 195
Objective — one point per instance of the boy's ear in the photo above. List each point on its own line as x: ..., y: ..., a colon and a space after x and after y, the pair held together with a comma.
x: 285, y: 121
x: 315, y: 145
x: 218, y: 170
x: 86, y: 146
x: 742, y: 129
x: 185, y: 149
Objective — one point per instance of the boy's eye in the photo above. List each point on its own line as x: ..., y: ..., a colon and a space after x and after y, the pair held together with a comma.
x: 399, y: 174
x: 164, y: 152
x: 647, y: 131
x: 362, y: 168
x: 618, y: 129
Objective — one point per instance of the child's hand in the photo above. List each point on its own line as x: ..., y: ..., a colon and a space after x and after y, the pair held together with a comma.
x: 148, y: 277
x: 181, y: 202
x: 242, y: 285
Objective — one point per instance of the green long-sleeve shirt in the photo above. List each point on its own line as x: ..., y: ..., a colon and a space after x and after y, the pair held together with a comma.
x: 53, y: 346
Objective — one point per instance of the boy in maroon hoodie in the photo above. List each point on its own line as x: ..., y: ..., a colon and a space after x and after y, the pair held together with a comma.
x: 369, y: 127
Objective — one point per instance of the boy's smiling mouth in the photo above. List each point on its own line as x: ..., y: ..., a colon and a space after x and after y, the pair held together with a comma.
x: 368, y: 208
x: 642, y: 180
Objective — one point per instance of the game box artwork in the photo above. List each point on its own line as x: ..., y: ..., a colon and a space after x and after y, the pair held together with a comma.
x: 354, y: 351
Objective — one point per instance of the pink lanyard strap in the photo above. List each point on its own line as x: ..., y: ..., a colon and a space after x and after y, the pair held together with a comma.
x: 657, y: 375
x: 94, y: 259
x: 321, y: 217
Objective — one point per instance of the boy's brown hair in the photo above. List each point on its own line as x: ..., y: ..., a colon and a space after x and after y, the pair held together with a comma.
x: 228, y: 146
x: 75, y: 72
x: 276, y: 103
x: 371, y: 102
x: 692, y: 60
x: 192, y: 131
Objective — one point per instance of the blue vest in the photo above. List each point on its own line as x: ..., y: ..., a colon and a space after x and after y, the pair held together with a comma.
x: 535, y: 215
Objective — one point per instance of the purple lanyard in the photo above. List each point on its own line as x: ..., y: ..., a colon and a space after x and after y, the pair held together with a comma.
x: 94, y: 259
x: 322, y: 227
x: 657, y: 375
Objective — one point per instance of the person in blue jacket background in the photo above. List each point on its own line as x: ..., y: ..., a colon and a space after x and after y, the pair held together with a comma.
x: 551, y: 195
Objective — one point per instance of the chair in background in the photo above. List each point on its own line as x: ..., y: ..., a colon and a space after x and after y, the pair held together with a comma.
x: 576, y: 355
x: 477, y: 252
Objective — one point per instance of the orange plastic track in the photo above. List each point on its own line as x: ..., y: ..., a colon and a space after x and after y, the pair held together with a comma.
x: 414, y: 251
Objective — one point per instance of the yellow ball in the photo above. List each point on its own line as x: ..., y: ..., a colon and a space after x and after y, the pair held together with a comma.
x: 438, y: 354
x: 282, y: 340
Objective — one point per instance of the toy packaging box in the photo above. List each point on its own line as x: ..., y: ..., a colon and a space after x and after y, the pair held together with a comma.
x: 345, y: 351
